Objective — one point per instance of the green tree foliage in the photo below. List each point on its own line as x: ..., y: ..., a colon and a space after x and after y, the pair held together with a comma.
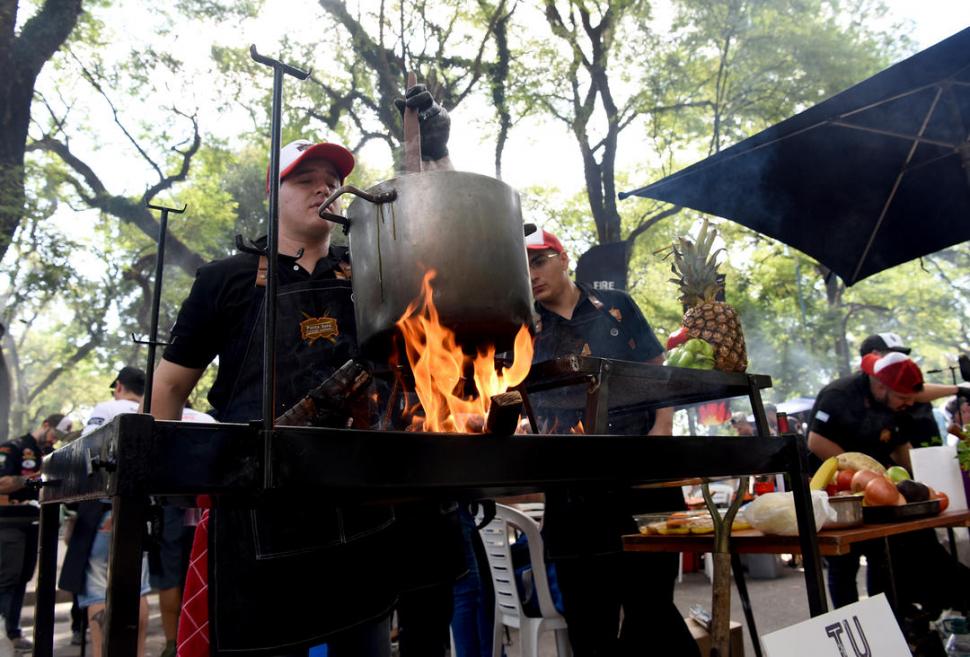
x: 121, y: 118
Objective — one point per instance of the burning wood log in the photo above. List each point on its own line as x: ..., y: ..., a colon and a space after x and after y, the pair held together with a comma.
x: 504, y: 412
x: 329, y: 403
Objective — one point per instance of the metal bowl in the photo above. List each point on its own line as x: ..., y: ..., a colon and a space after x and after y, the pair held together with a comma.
x: 848, y: 511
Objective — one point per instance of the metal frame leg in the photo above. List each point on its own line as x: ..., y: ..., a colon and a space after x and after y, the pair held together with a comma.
x: 742, y: 585
x: 891, y: 571
x: 122, y: 605
x: 811, y: 558
x: 50, y: 520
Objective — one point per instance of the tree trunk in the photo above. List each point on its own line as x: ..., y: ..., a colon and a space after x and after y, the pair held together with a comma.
x: 21, y: 60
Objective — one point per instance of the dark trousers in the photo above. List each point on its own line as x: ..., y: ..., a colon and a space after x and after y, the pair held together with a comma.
x: 18, y: 558
x: 474, y: 602
x: 423, y: 619
x: 371, y: 639
x: 77, y: 615
x: 844, y: 568
x: 923, y: 572
x: 594, y: 589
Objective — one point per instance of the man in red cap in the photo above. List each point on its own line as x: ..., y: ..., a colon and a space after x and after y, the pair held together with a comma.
x: 285, y: 576
x: 583, y: 529
x: 869, y: 412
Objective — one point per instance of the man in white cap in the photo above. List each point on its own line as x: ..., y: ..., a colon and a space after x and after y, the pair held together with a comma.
x: 337, y: 555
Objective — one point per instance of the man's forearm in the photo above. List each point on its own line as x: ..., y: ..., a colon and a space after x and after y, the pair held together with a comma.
x: 663, y: 424
x: 171, y: 386
x: 822, y: 447
x: 11, y: 484
x: 901, y: 456
x: 933, y: 391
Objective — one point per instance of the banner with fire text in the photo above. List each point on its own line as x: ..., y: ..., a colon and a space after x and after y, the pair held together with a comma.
x: 603, y: 267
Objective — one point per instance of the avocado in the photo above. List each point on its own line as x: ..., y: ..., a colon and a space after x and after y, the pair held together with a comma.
x: 913, y: 491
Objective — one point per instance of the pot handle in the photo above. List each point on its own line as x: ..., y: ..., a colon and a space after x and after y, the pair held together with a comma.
x: 383, y: 197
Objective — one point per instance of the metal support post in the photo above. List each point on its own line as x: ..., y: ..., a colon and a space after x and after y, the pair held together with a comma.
x: 50, y: 521
x: 129, y: 516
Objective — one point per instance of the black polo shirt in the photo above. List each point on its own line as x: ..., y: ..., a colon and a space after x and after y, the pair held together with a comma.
x: 222, y: 308
x: 21, y: 457
x: 846, y: 413
x: 635, y: 340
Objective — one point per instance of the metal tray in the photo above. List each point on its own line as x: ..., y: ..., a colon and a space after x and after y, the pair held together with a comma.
x: 911, y: 511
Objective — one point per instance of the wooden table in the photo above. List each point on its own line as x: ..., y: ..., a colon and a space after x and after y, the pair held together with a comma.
x: 831, y: 542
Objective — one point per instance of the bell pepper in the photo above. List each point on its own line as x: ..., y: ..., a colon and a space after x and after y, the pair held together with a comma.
x: 677, y: 338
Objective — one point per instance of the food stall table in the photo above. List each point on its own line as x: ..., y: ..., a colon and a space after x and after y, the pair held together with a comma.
x: 831, y: 542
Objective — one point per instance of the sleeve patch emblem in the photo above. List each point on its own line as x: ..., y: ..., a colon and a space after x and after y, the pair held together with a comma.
x: 616, y: 314
x: 822, y: 416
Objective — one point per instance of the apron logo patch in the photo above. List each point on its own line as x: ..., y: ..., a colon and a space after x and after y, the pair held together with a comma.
x: 29, y: 464
x: 885, y: 435
x: 315, y: 328
x: 616, y: 314
x: 586, y: 350
x: 28, y: 453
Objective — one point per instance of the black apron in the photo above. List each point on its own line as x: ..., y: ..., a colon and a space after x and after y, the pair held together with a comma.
x: 582, y: 522
x: 287, y: 573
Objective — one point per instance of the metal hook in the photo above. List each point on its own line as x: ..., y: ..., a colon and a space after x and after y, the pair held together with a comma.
x: 167, y: 209
x: 251, y: 248
x: 157, y: 343
x: 275, y: 63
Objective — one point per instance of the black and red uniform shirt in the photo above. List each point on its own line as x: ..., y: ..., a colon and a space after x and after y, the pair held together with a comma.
x: 21, y: 457
x: 846, y: 413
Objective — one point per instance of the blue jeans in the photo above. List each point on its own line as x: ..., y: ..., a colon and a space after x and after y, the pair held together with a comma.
x: 473, y: 615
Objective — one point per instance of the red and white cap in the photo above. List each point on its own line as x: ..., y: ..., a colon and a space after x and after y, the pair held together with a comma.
x: 543, y: 239
x: 896, y: 371
x: 302, y: 150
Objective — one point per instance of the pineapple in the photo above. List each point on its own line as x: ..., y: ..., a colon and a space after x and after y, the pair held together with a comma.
x: 714, y: 321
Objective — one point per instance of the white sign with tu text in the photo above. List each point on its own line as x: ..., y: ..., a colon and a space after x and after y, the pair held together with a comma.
x: 862, y: 629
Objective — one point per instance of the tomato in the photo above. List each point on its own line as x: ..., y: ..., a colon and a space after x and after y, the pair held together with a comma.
x: 843, y: 480
x: 862, y: 478
x: 880, y: 492
x: 944, y: 500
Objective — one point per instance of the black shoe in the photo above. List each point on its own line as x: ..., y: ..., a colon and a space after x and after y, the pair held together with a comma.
x: 77, y: 638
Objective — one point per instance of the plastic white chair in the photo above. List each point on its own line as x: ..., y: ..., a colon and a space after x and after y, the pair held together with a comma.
x: 535, y: 510
x: 508, y: 605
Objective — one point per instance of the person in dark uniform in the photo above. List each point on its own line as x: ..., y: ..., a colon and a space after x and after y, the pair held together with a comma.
x: 869, y: 412
x: 582, y: 529
x: 265, y: 563
x: 20, y: 461
x: 921, y: 426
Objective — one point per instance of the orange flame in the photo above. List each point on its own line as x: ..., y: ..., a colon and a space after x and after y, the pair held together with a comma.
x: 439, y: 367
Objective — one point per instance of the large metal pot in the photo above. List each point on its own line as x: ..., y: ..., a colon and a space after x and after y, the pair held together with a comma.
x: 465, y: 226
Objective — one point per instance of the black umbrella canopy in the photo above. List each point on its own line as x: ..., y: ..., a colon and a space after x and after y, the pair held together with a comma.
x: 873, y: 177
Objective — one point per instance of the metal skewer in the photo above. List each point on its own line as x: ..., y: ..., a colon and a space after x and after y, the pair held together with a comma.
x: 272, y: 249
x: 152, y: 340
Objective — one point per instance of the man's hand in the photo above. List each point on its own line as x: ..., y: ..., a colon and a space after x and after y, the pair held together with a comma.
x: 433, y: 118
x: 13, y: 483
